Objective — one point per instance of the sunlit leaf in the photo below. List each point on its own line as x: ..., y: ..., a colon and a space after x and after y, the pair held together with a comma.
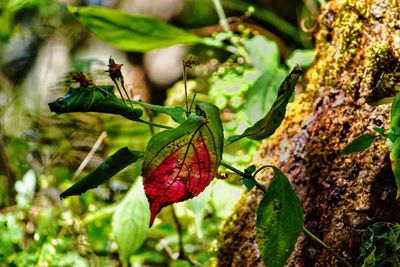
x: 361, y: 143
x: 395, y: 160
x: 264, y: 54
x: 131, y: 32
x: 130, y: 222
x: 393, y: 140
x: 94, y: 99
x: 279, y: 221
x: 303, y: 58
x: 176, y: 113
x: 113, y: 164
x: 180, y: 163
x: 267, y: 125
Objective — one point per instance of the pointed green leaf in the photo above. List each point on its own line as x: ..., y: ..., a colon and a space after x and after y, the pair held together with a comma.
x: 267, y: 125
x: 361, y: 143
x: 395, y: 160
x: 176, y: 113
x: 130, y: 222
x: 94, y: 99
x: 131, y: 32
x: 113, y: 164
x: 180, y: 163
x: 380, y: 131
x: 279, y: 221
x: 263, y: 93
x: 394, y: 126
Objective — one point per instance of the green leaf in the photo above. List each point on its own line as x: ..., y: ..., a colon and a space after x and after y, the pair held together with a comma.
x: 262, y: 94
x: 361, y: 143
x: 248, y: 182
x: 279, y: 221
x: 395, y: 160
x: 130, y: 222
x: 303, y: 58
x: 94, y: 99
x: 267, y: 125
x: 380, y: 131
x: 394, y: 125
x: 176, y: 113
x: 380, y: 245
x: 131, y: 32
x: 113, y: 164
x: 264, y: 53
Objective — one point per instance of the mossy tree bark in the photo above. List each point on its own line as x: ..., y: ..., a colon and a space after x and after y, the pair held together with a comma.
x: 357, y: 65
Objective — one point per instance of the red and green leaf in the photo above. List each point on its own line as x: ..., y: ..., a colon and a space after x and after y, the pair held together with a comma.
x: 180, y: 163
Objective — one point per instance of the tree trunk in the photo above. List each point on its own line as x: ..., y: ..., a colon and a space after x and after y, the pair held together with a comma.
x: 357, y: 64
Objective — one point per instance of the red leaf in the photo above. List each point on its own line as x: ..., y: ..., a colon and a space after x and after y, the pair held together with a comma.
x: 180, y: 163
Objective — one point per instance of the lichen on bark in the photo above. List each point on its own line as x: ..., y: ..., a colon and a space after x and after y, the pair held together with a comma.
x: 357, y: 65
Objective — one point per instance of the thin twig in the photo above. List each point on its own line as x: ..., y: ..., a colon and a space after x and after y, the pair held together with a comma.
x: 179, y: 229
x: 182, y: 254
x: 221, y: 15
x: 185, y: 85
x: 90, y: 154
x: 154, y: 124
x: 321, y: 243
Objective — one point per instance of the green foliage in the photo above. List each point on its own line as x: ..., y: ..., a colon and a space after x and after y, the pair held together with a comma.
x: 267, y: 125
x: 361, y: 143
x: 131, y: 32
x: 130, y: 222
x: 115, y: 163
x: 94, y: 99
x: 176, y: 113
x: 302, y: 58
x: 264, y: 55
x: 279, y: 221
x: 380, y: 246
x: 393, y: 141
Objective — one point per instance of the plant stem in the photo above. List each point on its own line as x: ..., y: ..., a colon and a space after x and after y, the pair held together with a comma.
x: 321, y: 243
x: 185, y: 84
x: 221, y: 15
x: 154, y: 124
x: 244, y: 175
x: 264, y: 190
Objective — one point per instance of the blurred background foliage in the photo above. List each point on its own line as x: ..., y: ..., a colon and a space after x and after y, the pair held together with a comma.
x: 41, y: 154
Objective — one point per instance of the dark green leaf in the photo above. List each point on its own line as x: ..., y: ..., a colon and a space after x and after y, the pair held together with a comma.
x: 267, y: 125
x: 380, y: 131
x: 94, y: 99
x: 249, y: 183
x: 250, y: 169
x: 279, y: 221
x: 380, y: 245
x: 262, y: 94
x: 113, y: 164
x: 394, y: 126
x: 131, y: 32
x: 176, y: 113
x: 361, y: 143
x: 130, y: 222
x: 395, y: 160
